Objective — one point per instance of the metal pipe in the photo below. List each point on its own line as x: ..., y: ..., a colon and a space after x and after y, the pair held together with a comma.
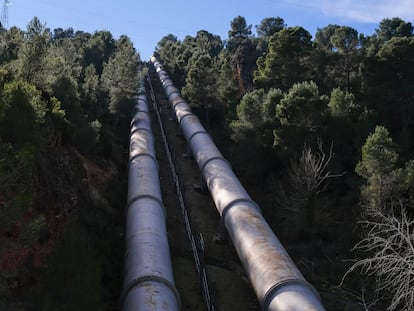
x: 277, y: 282
x: 148, y: 276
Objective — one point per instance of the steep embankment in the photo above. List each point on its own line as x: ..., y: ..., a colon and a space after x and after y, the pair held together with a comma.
x: 86, y: 194
x: 66, y: 249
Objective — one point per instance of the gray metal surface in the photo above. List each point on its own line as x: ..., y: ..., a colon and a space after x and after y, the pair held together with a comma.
x: 148, y: 276
x: 278, y: 283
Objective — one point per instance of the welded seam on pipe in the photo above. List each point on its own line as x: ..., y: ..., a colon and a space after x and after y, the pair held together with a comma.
x: 189, y: 233
x: 144, y: 196
x: 139, y: 129
x: 268, y: 297
x: 186, y: 115
x: 150, y: 278
x: 196, y: 133
x: 170, y: 83
x: 213, y: 159
x: 142, y: 154
x: 180, y: 101
x: 139, y: 117
x: 235, y: 202
x: 185, y: 108
x: 310, y: 301
x: 174, y: 92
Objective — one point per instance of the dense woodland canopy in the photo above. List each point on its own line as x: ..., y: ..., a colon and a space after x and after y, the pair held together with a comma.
x: 320, y: 130
x: 66, y: 99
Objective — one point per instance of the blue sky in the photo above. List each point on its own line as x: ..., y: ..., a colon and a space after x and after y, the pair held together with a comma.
x: 146, y: 22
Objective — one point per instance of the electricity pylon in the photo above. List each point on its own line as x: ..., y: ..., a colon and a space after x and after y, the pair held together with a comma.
x: 5, y: 14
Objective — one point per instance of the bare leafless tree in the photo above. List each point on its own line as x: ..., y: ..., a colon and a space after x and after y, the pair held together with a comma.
x: 389, y: 243
x: 309, y: 173
x: 306, y: 179
x: 366, y: 297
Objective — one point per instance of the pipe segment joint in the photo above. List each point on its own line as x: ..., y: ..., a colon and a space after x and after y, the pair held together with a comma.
x: 150, y: 278
x: 233, y: 203
x: 293, y: 290
x: 220, y: 158
x: 142, y: 154
x: 276, y: 280
x: 183, y: 114
x: 138, y: 129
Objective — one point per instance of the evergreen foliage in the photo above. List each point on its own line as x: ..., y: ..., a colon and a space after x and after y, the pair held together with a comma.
x: 301, y: 115
x: 332, y: 91
x: 341, y: 104
x: 287, y: 61
x: 75, y: 262
x: 377, y: 166
x: 60, y: 92
x: 21, y: 101
x: 388, y: 211
x: 32, y: 56
x: 280, y: 91
x: 269, y: 26
x: 119, y: 77
x: 200, y: 87
x: 257, y: 117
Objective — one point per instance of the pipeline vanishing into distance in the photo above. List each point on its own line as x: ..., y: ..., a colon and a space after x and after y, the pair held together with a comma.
x: 276, y: 280
x: 148, y: 276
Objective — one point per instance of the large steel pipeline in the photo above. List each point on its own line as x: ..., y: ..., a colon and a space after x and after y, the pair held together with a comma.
x: 148, y: 276
x: 277, y: 282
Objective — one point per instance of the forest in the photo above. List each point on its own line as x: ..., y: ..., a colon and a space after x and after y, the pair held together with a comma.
x: 319, y: 130
x: 66, y: 100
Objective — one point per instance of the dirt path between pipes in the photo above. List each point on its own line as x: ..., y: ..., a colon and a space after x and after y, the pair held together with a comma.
x: 229, y: 285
